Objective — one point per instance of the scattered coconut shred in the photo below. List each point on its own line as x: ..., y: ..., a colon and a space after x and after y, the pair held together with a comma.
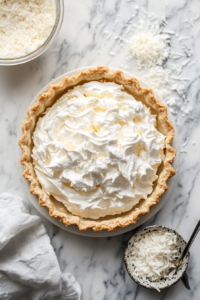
x: 150, y: 46
x: 153, y: 255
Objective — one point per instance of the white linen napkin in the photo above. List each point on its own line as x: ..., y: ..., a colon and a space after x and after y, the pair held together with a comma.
x: 29, y: 268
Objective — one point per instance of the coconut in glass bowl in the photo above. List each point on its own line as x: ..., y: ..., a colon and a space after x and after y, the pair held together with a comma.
x: 28, y: 28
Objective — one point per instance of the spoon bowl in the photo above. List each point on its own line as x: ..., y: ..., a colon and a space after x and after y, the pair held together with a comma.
x: 165, y: 282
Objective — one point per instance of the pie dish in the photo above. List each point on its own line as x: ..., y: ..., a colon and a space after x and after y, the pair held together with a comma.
x: 120, y: 217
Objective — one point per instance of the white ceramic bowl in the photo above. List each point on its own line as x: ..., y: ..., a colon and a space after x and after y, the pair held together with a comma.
x: 174, y: 277
x: 47, y: 43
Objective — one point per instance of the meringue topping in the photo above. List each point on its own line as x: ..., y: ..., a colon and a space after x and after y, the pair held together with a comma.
x: 97, y: 150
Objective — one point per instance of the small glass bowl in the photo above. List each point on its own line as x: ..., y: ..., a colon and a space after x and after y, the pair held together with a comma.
x: 163, y: 283
x: 47, y: 43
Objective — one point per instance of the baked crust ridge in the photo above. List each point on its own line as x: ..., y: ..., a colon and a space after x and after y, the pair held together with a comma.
x: 46, y: 99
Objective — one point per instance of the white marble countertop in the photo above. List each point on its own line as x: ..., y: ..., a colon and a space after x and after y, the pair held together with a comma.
x: 82, y: 41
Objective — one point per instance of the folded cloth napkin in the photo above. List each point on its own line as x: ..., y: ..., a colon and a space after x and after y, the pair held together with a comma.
x: 29, y: 268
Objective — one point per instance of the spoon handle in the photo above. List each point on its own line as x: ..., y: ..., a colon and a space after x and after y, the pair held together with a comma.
x: 191, y: 240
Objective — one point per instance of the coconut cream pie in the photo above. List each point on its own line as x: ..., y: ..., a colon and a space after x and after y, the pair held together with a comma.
x: 97, y: 149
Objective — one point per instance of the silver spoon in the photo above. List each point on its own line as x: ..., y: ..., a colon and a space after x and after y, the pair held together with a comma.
x: 185, y: 279
x: 188, y: 245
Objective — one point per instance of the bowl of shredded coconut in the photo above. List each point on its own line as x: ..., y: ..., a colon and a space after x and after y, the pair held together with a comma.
x: 150, y: 255
x: 28, y: 28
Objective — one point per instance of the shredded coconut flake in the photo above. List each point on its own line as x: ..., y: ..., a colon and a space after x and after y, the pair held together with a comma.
x: 153, y: 255
x: 25, y: 25
x: 169, y: 31
x: 158, y: 80
x: 182, y: 38
x: 148, y: 45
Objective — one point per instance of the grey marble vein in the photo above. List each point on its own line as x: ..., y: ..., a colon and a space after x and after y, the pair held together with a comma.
x: 87, y: 37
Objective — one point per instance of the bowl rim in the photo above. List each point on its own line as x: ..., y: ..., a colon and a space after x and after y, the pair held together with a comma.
x: 151, y: 227
x: 48, y: 42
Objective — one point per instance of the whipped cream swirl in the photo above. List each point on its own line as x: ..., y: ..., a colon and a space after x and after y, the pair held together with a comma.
x: 97, y: 150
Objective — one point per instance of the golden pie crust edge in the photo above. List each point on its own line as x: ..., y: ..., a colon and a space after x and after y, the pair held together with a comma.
x: 46, y: 99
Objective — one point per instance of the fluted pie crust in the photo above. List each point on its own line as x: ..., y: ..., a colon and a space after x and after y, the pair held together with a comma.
x: 47, y: 99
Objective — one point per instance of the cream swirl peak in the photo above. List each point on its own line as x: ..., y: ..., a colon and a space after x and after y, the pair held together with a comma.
x: 97, y: 150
